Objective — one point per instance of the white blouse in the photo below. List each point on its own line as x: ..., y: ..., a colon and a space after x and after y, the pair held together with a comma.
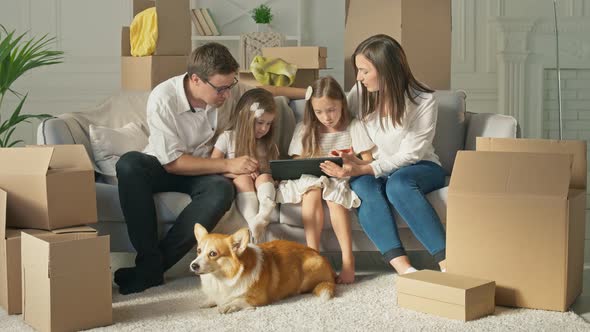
x: 404, y: 144
x: 354, y: 136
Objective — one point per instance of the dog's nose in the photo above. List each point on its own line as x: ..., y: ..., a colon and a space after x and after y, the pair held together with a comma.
x: 194, y: 266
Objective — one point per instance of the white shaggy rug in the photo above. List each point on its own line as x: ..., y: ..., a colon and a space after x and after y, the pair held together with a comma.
x: 367, y: 305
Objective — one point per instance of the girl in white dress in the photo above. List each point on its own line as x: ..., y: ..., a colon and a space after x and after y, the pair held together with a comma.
x: 252, y: 136
x: 327, y: 127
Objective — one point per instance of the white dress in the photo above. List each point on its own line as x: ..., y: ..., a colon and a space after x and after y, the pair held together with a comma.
x: 226, y: 143
x: 335, y: 190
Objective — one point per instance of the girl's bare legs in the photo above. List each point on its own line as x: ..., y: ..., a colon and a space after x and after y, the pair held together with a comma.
x: 246, y: 200
x: 265, y: 189
x: 312, y: 215
x: 443, y: 265
x: 340, y: 218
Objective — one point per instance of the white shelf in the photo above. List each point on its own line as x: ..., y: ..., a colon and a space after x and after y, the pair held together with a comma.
x: 230, y: 37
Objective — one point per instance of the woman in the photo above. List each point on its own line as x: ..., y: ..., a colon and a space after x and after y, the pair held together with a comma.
x: 399, y: 114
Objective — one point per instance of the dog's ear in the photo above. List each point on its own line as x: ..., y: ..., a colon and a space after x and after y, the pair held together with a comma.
x: 200, y: 231
x: 240, y: 240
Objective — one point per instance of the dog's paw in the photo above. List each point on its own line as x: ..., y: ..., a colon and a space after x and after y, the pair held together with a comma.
x: 227, y: 309
x: 207, y: 304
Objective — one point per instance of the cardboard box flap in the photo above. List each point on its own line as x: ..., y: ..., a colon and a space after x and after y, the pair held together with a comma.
x: 504, y: 173
x: 68, y: 156
x: 575, y: 148
x: 77, y: 229
x: 25, y: 161
x: 444, y: 287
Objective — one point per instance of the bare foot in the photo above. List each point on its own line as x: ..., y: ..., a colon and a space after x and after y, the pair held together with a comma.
x: 346, y: 276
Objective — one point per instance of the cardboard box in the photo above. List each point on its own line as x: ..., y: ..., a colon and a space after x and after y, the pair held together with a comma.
x: 304, y: 57
x: 48, y: 187
x: 66, y: 281
x: 519, y: 218
x: 427, y: 46
x: 445, y: 294
x: 174, y: 25
x: 145, y: 72
x: 303, y: 78
x: 10, y: 257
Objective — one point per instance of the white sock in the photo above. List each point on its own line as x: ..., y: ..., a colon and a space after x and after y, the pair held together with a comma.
x: 266, y: 199
x: 410, y: 270
x: 247, y: 204
x: 443, y: 270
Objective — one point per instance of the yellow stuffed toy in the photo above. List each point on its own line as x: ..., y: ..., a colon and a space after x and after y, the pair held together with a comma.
x: 143, y: 32
x: 273, y: 71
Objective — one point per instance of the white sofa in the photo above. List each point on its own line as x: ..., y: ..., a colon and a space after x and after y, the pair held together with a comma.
x: 456, y: 130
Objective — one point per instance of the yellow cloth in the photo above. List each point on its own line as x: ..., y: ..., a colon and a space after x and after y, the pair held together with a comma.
x: 273, y: 71
x: 143, y: 32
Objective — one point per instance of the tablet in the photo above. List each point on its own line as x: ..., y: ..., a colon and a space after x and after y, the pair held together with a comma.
x: 291, y: 169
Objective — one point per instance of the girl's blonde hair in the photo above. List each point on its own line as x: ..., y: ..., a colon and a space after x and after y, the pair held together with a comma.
x: 245, y: 123
x: 323, y: 87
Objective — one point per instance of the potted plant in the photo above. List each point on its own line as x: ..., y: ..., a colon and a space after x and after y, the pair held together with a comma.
x: 262, y: 16
x: 17, y: 56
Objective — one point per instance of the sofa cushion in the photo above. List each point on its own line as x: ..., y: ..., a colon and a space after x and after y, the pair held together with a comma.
x: 489, y: 125
x: 109, y: 144
x: 450, y: 127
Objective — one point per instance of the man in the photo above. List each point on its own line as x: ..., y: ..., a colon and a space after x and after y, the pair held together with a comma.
x: 184, y: 115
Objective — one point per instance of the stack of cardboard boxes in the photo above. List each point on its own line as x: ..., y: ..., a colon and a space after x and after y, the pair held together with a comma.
x: 57, y: 275
x: 308, y: 59
x: 515, y: 216
x: 172, y: 48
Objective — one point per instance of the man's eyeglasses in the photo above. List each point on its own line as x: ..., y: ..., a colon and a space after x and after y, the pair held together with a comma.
x: 220, y: 90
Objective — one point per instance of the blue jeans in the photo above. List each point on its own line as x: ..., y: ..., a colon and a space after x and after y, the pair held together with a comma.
x: 405, y: 189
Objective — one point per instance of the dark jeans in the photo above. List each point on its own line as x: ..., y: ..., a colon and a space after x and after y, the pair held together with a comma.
x: 405, y: 189
x: 140, y: 176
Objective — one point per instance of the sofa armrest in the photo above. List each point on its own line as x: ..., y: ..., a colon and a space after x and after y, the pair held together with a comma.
x: 54, y: 131
x: 489, y: 125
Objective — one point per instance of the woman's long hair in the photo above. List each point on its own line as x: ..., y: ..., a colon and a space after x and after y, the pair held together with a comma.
x: 323, y: 87
x: 396, y: 81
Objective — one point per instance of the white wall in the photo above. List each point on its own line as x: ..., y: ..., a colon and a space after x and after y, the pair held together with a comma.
x: 503, y: 56
x: 91, y: 44
x: 501, y: 49
x: 89, y: 34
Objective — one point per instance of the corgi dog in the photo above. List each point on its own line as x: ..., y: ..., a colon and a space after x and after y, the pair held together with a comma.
x: 237, y: 275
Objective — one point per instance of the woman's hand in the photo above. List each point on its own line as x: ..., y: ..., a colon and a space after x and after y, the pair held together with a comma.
x: 335, y: 170
x: 351, y: 165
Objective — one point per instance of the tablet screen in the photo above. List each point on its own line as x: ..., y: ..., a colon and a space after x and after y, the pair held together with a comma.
x: 291, y: 169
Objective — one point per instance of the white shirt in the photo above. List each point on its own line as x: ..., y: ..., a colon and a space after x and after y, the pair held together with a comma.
x: 355, y: 136
x: 176, y: 130
x: 405, y: 144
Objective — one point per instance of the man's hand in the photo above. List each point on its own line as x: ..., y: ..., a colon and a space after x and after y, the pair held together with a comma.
x: 242, y: 165
x: 254, y: 175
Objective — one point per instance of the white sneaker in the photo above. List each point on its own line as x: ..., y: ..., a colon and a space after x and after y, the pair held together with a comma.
x: 409, y: 270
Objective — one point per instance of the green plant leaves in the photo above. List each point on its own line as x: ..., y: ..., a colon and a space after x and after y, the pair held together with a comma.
x: 17, y: 56
x: 262, y: 14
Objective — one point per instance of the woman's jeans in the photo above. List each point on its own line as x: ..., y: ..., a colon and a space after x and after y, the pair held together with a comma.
x: 405, y: 189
